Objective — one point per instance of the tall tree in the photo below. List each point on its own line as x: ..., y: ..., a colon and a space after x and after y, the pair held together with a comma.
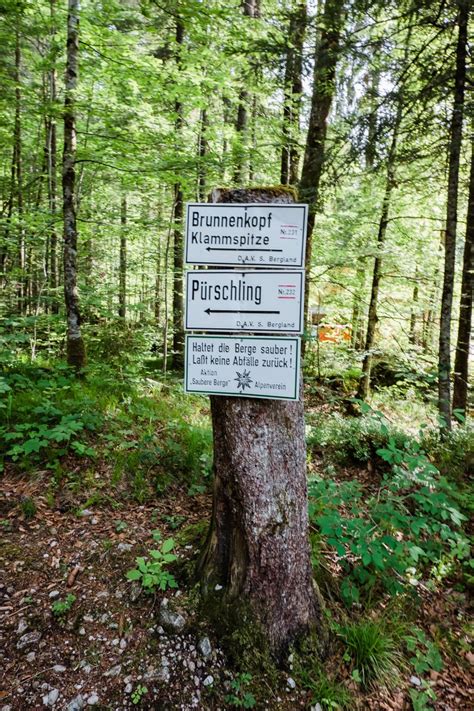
x: 122, y: 310
x: 251, y: 9
x: 461, y: 363
x: 444, y: 359
x: 76, y: 352
x: 293, y: 88
x: 257, y: 546
x: 364, y: 383
x: 178, y: 245
x: 18, y: 170
x: 324, y: 82
x: 51, y: 142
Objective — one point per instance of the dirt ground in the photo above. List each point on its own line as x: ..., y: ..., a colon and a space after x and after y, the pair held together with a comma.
x: 110, y: 645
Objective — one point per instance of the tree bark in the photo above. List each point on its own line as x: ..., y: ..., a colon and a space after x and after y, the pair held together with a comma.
x: 324, y: 82
x: 21, y: 280
x: 414, y: 308
x: 372, y: 320
x: 250, y: 9
x: 444, y: 359
x: 178, y: 244
x: 76, y: 352
x: 122, y: 310
x: 357, y: 338
x: 257, y: 546
x: 52, y: 177
x: 461, y: 363
x: 293, y: 88
x: 203, y: 151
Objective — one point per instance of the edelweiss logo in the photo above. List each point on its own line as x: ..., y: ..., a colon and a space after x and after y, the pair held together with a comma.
x: 243, y: 380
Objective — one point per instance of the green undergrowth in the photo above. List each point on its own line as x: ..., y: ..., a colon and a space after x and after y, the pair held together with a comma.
x: 143, y: 430
x: 403, y: 526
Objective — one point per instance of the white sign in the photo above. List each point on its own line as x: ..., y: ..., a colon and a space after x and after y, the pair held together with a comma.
x: 253, y: 235
x: 244, y: 301
x: 252, y: 366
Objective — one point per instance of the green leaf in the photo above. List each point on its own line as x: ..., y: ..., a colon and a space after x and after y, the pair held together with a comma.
x: 168, y: 545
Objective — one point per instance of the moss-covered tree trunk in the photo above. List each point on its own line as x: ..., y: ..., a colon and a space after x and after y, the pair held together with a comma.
x: 257, y: 546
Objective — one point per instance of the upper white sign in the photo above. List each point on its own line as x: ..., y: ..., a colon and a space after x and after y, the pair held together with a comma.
x: 234, y: 300
x: 253, y: 234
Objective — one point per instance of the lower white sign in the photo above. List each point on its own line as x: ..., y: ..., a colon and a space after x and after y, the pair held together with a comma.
x: 247, y: 366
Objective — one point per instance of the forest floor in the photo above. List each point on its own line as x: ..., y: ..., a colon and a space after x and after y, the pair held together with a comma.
x: 75, y: 633
x: 110, y: 643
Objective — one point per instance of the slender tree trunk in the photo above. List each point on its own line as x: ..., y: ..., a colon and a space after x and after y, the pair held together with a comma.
x: 52, y: 171
x: 414, y: 307
x: 158, y: 268
x: 357, y: 308
x: 4, y: 255
x: 429, y: 316
x: 203, y: 150
x: 257, y: 546
x: 324, y: 78
x: 364, y: 383
x: 76, y: 353
x: 444, y: 360
x: 253, y: 134
x: 293, y: 88
x: 250, y: 9
x: 21, y: 281
x: 122, y: 310
x: 461, y: 363
x: 178, y: 245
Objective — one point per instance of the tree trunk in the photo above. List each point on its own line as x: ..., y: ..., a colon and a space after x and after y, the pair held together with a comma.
x: 21, y: 280
x: 203, y: 151
x: 428, y: 319
x: 257, y: 546
x: 52, y: 178
x: 250, y: 9
x: 122, y: 310
x: 414, y: 307
x: 324, y: 81
x: 370, y: 153
x: 444, y: 359
x: 357, y: 337
x: 461, y: 363
x: 178, y: 245
x: 76, y: 353
x: 364, y: 383
x: 293, y: 88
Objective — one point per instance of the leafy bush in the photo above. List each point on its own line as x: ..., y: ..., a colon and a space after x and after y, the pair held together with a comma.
x: 350, y: 439
x: 44, y: 414
x: 453, y: 453
x: 116, y: 342
x: 409, y: 527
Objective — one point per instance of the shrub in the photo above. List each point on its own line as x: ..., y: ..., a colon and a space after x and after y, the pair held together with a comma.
x: 410, y: 526
x: 350, y: 439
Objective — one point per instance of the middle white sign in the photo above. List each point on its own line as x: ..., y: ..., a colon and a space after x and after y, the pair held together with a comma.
x: 232, y: 300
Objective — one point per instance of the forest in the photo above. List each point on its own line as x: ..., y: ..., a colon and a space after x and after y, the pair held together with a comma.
x: 163, y: 549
